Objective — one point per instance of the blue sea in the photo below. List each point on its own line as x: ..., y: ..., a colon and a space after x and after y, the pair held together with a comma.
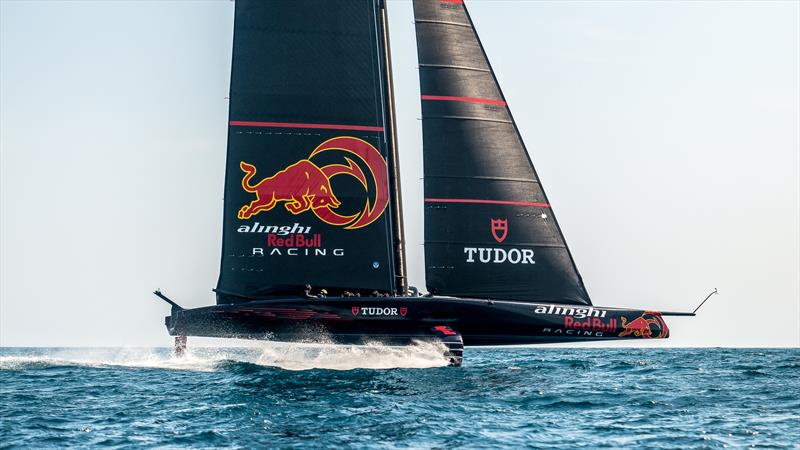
x: 283, y: 396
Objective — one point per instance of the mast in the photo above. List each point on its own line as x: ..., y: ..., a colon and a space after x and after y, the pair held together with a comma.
x: 401, y: 275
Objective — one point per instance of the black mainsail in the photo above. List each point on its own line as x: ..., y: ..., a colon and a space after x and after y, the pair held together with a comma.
x: 490, y: 231
x: 309, y: 183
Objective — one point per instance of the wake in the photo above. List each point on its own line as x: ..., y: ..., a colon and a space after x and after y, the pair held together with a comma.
x: 285, y: 356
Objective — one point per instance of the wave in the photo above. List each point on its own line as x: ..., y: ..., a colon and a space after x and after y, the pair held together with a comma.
x: 209, y: 359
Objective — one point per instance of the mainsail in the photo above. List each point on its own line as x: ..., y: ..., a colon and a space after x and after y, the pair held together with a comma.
x: 490, y: 231
x: 309, y: 165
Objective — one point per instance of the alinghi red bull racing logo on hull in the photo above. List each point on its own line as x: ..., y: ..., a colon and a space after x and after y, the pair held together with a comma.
x: 305, y: 186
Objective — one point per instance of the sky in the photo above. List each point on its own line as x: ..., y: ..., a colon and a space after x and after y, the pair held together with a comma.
x: 667, y: 136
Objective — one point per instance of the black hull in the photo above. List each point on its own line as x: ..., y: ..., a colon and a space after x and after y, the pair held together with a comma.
x: 401, y: 320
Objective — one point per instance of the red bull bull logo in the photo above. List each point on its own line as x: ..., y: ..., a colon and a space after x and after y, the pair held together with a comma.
x: 305, y: 186
x: 648, y: 325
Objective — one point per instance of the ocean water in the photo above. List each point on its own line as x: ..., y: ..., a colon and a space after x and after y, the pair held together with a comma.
x: 283, y: 396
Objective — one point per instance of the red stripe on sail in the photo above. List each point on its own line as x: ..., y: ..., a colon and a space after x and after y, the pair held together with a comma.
x: 464, y: 99
x: 323, y: 126
x: 484, y: 202
x: 460, y: 2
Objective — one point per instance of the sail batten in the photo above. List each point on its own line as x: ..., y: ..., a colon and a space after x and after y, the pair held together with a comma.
x: 450, y: 98
x: 450, y: 66
x: 489, y: 228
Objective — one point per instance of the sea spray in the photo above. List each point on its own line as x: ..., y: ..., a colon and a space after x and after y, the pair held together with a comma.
x: 158, y: 358
x: 317, y: 354
x: 420, y: 355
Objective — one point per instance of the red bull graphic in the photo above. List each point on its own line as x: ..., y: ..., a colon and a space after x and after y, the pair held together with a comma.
x: 645, y: 326
x: 305, y: 186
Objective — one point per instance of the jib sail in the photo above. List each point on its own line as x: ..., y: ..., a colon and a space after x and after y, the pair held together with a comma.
x: 489, y: 229
x: 307, y: 183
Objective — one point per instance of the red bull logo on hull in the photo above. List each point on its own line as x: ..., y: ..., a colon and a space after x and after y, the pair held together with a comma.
x: 305, y: 186
x: 648, y: 325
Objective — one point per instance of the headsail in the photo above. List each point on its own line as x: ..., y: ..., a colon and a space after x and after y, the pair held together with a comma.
x: 307, y: 185
x: 489, y: 228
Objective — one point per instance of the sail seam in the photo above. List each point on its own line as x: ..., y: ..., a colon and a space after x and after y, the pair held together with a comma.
x: 467, y: 118
x: 495, y: 244
x: 449, y: 98
x: 521, y: 180
x: 323, y: 126
x: 484, y: 201
x: 450, y: 66
x: 443, y: 22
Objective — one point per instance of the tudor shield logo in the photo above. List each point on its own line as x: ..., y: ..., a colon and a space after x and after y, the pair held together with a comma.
x: 499, y: 229
x: 355, y: 310
x: 403, y: 311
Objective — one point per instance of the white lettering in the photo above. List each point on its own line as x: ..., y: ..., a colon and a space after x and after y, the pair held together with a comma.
x: 371, y: 311
x: 499, y: 255
x: 527, y: 256
x: 296, y: 251
x: 578, y: 313
x: 283, y: 230
x: 470, y: 251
